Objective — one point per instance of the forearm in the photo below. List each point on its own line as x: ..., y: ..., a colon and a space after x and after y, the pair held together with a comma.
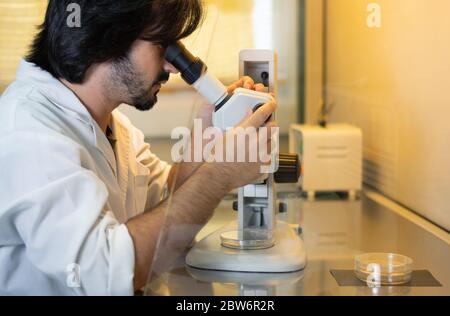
x: 191, y: 207
x: 180, y: 173
x: 185, y: 169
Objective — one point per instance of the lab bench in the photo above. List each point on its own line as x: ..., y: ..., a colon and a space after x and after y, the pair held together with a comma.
x: 334, y: 230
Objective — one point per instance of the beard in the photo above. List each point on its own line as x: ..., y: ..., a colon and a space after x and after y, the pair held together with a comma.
x: 126, y: 79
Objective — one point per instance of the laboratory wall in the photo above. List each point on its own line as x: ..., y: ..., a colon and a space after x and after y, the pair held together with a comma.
x: 18, y: 21
x: 387, y: 70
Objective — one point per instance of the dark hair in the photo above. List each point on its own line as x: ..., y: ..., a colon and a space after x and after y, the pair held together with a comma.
x: 107, y: 31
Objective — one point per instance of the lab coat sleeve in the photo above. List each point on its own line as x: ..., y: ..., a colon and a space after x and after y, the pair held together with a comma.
x: 58, y: 208
x: 158, y: 170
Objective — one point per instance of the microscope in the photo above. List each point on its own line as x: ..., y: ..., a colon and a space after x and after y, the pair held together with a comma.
x: 257, y: 242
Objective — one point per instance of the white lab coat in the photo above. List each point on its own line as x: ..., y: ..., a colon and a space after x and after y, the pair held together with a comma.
x: 65, y: 194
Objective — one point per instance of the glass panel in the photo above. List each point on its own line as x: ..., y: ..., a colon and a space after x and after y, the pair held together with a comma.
x: 387, y: 72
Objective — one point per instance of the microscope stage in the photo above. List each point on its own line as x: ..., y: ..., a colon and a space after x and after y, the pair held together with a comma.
x: 287, y: 255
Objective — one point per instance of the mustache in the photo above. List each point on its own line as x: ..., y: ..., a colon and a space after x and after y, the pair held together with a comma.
x: 163, y: 76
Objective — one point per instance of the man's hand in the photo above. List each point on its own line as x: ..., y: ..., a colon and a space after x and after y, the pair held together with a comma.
x: 186, y: 170
x: 246, y: 83
x: 240, y: 173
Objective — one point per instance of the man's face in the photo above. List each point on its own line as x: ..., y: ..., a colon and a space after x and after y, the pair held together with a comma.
x: 138, y: 78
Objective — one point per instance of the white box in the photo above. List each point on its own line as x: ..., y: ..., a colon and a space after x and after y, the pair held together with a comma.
x: 331, y: 157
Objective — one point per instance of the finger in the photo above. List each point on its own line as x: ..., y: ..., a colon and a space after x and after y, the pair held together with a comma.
x: 271, y: 125
x: 259, y: 118
x: 271, y: 129
x: 232, y: 87
x: 245, y: 82
x: 248, y: 83
x: 260, y: 87
x: 235, y: 85
x: 238, y: 84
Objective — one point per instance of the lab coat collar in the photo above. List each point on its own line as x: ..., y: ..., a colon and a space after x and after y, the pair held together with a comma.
x: 53, y: 89
x: 61, y: 96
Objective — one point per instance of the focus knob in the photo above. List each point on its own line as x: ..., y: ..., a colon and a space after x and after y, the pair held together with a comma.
x: 289, y: 169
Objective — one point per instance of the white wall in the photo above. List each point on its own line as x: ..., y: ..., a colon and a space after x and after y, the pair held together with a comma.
x: 394, y: 83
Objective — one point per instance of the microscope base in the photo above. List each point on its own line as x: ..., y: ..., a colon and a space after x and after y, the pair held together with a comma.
x: 287, y: 255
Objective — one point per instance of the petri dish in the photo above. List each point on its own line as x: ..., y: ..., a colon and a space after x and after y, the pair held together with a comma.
x: 383, y: 268
x: 248, y: 239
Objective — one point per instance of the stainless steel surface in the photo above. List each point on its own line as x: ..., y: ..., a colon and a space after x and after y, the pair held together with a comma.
x: 334, y: 231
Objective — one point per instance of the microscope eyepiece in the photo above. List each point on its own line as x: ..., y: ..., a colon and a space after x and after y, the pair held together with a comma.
x: 191, y: 68
x: 194, y: 71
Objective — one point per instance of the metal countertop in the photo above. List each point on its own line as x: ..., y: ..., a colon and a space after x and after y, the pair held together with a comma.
x: 334, y: 231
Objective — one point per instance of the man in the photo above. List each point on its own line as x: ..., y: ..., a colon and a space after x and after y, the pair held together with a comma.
x: 81, y: 195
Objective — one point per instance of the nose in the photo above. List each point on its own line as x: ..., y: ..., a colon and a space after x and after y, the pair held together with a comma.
x: 168, y: 67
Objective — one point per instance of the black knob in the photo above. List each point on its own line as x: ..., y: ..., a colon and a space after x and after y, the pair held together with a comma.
x: 235, y: 206
x: 289, y: 169
x: 282, y: 207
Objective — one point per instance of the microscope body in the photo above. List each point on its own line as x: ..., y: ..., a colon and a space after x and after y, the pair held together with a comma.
x: 257, y: 242
x: 256, y: 203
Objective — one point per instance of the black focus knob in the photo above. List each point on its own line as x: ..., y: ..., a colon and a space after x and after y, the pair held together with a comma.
x: 289, y: 169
